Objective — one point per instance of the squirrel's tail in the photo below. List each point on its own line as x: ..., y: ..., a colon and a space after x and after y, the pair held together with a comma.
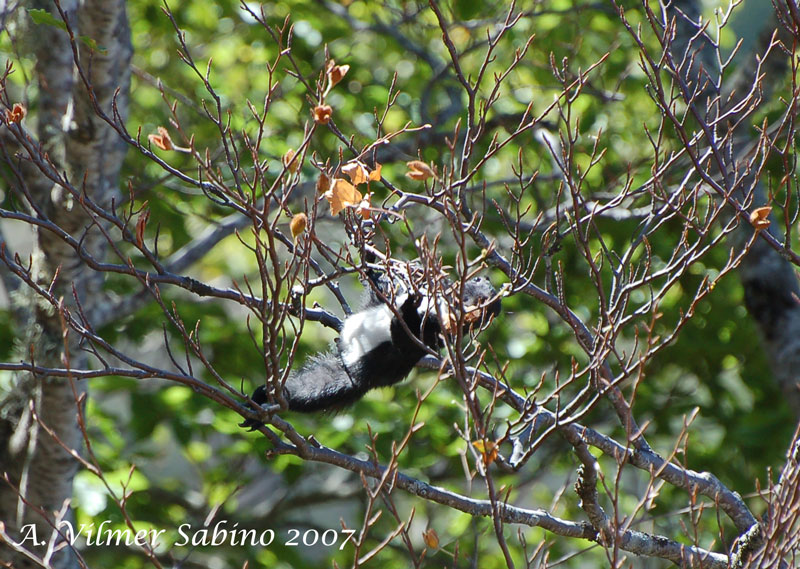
x: 321, y: 384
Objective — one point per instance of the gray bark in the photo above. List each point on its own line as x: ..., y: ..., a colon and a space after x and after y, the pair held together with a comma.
x: 772, y: 290
x: 772, y: 296
x: 90, y: 152
x: 771, y: 286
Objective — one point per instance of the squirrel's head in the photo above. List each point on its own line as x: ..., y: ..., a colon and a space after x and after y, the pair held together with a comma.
x: 480, y: 302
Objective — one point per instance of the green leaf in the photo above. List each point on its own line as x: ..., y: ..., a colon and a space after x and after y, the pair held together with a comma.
x: 133, y: 481
x: 93, y: 45
x: 467, y: 9
x: 46, y: 18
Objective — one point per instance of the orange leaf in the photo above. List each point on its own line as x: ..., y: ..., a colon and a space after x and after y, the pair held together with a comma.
x: 759, y: 217
x: 488, y: 449
x: 341, y: 195
x: 357, y: 172
x: 16, y: 114
x: 298, y: 224
x: 141, y: 224
x: 375, y: 175
x: 474, y: 314
x: 323, y: 183
x: 322, y: 114
x: 418, y: 170
x: 363, y: 208
x: 162, y: 140
x: 336, y: 72
x: 431, y: 538
x: 290, y: 162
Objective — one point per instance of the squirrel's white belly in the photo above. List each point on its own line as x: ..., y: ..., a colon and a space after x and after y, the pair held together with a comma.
x: 364, y: 331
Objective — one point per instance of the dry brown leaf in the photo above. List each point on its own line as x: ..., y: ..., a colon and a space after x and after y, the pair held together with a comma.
x: 474, y: 314
x: 298, y: 224
x: 759, y: 217
x: 141, y: 225
x: 375, y: 175
x: 359, y: 173
x: 322, y: 114
x: 356, y: 171
x: 341, y: 195
x: 363, y: 208
x: 431, y: 538
x: 162, y: 140
x: 16, y: 114
x: 418, y: 170
x: 336, y: 72
x: 323, y: 183
x: 290, y: 161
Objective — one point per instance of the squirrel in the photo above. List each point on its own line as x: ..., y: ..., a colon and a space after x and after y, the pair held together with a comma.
x: 379, y: 345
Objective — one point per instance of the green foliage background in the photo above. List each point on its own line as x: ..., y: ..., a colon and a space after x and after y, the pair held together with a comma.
x: 191, y: 456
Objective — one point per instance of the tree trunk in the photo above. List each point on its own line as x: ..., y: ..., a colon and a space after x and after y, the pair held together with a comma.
x: 39, y: 467
x: 772, y: 291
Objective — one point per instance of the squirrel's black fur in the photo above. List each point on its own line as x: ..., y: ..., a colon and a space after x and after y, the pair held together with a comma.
x: 374, y: 348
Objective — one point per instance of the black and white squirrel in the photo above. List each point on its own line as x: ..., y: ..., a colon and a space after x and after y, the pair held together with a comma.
x: 375, y: 349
